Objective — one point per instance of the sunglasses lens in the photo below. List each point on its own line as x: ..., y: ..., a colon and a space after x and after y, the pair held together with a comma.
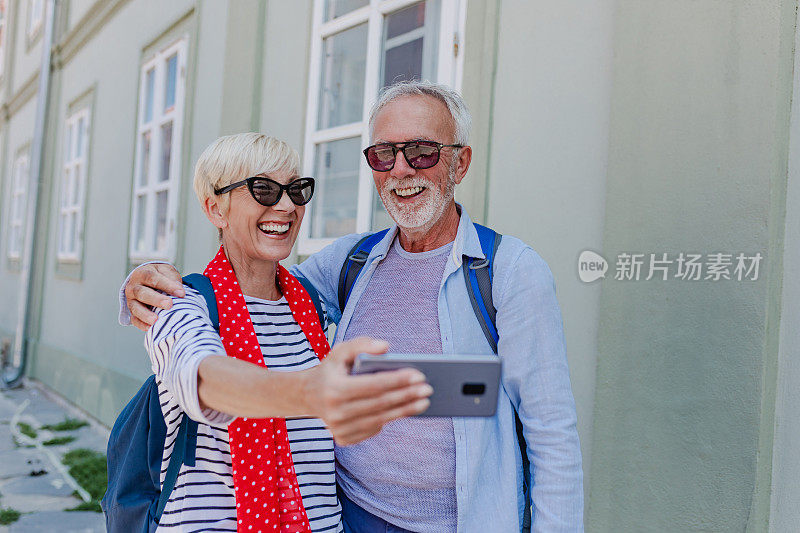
x: 300, y: 191
x: 266, y: 192
x: 422, y: 155
x: 381, y: 157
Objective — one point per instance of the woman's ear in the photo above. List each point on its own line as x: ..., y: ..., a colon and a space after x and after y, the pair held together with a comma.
x: 214, y: 213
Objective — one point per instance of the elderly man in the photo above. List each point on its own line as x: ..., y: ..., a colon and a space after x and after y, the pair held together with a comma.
x: 443, y: 474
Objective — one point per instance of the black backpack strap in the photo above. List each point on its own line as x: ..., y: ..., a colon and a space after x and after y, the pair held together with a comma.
x: 315, y: 299
x: 356, y: 259
x: 478, y: 275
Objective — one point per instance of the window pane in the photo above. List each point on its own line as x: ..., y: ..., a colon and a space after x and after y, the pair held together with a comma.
x: 166, y: 151
x: 76, y: 231
x: 160, y: 243
x: 75, y: 185
x: 62, y: 226
x: 69, y: 232
x: 65, y: 188
x: 336, y: 199
x: 405, y: 20
x: 337, y: 8
x: 380, y: 218
x: 144, y: 163
x: 68, y: 145
x: 16, y: 207
x: 150, y: 80
x: 344, y: 62
x: 141, y: 214
x: 172, y: 74
x: 410, y: 43
x: 81, y: 137
x: 403, y: 62
x: 14, y: 241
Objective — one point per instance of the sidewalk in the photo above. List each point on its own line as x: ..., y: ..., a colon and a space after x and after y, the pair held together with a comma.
x: 33, y: 480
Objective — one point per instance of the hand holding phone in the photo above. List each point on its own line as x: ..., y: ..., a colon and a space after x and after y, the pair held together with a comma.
x: 463, y: 385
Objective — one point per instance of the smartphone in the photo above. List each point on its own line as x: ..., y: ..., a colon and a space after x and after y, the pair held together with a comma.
x: 463, y: 385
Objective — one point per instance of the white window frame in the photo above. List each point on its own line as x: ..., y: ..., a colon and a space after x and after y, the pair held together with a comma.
x: 35, y: 18
x: 18, y: 197
x: 159, y: 118
x: 449, y: 71
x: 73, y: 184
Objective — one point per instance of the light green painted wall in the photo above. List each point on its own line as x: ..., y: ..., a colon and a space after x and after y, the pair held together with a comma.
x: 77, y: 9
x: 547, y: 165
x: 26, y: 56
x: 696, y: 164
x: 19, y: 134
x: 785, y: 490
x: 198, y: 239
x: 81, y: 347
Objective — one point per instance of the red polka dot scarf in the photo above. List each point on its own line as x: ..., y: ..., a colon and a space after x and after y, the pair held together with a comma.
x: 264, y: 479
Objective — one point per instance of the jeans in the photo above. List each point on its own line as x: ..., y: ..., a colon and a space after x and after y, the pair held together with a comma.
x: 357, y: 520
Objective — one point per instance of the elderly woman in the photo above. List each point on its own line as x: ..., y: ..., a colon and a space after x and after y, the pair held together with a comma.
x: 268, y: 360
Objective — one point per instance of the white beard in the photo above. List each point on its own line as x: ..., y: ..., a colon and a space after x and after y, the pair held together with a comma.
x: 418, y: 217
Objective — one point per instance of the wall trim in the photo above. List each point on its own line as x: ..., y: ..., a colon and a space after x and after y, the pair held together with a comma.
x: 84, y: 30
x: 21, y: 97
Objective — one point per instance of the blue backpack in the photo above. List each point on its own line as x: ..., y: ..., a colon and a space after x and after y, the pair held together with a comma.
x: 135, y: 498
x: 478, y: 276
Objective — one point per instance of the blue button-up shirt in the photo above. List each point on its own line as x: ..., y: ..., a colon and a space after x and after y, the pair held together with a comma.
x: 535, y: 382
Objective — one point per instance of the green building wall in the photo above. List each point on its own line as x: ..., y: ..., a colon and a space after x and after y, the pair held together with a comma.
x: 686, y: 372
x: 615, y: 126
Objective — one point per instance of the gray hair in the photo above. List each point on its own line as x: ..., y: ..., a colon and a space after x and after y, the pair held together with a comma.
x: 455, y: 104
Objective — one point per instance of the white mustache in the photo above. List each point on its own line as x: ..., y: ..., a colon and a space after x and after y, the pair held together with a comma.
x: 395, y: 183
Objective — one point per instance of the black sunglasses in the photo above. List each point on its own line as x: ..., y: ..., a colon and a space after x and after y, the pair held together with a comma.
x: 268, y: 192
x: 419, y: 154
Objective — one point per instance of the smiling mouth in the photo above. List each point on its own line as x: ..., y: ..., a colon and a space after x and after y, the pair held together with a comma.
x: 272, y: 228
x: 408, y: 192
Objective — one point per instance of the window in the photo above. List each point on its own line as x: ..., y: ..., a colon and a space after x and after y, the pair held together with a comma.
x: 359, y: 47
x: 73, y: 187
x: 157, y: 166
x: 35, y: 18
x: 19, y: 196
x: 3, y: 26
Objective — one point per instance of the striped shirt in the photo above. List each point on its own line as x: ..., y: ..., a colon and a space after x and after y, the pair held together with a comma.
x: 203, y: 498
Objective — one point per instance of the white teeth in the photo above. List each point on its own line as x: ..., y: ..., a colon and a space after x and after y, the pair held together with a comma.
x: 409, y: 191
x: 274, y: 228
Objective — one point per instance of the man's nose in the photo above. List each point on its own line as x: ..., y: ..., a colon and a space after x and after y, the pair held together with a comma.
x: 401, y: 167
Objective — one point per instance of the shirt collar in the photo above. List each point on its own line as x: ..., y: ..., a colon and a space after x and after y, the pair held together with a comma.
x: 465, y: 243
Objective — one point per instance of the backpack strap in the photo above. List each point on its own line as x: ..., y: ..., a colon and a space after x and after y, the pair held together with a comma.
x: 202, y: 284
x: 478, y: 275
x: 175, y: 462
x: 355, y: 261
x: 185, y: 447
x: 315, y: 299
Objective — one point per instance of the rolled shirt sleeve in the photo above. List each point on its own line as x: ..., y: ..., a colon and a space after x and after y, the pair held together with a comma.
x: 180, y: 339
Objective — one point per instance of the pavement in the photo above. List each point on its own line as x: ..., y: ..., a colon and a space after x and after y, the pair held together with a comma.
x: 32, y: 479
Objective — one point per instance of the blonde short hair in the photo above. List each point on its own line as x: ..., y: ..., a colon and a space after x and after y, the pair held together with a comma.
x: 235, y: 157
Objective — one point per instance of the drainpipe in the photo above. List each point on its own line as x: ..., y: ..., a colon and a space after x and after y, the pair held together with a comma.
x: 20, y: 355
